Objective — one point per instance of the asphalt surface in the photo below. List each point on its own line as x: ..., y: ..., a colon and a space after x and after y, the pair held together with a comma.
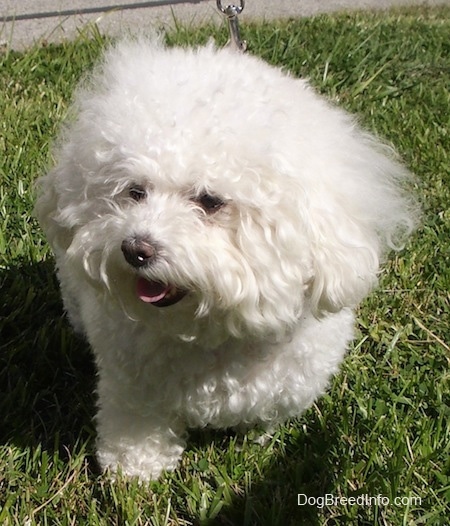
x: 24, y: 22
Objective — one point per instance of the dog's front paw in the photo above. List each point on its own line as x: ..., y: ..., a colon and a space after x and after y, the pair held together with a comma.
x: 145, y: 460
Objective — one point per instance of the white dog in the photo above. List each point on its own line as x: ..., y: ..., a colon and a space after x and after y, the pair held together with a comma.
x: 214, y: 222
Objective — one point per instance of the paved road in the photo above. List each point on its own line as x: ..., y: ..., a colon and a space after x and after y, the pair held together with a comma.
x: 23, y: 22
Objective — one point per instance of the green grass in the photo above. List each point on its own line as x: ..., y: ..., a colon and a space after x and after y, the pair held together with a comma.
x: 383, y: 428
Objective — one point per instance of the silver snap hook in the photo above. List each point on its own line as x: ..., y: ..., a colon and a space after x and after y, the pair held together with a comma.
x: 232, y: 12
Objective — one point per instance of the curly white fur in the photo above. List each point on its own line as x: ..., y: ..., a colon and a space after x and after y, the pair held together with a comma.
x: 307, y: 206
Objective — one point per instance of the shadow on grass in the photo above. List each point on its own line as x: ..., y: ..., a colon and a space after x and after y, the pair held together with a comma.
x: 47, y: 375
x: 300, y: 464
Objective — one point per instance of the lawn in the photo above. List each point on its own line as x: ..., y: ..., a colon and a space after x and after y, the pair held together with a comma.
x: 382, y: 430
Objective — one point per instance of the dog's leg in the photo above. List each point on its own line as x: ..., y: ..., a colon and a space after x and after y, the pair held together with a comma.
x: 137, y: 445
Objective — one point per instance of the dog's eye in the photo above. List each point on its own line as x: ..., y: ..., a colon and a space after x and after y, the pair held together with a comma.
x: 137, y: 193
x: 210, y: 203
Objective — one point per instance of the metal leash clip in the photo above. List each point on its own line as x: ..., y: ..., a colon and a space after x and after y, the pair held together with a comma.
x: 232, y: 12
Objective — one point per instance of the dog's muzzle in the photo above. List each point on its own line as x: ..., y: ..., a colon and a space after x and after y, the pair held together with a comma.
x: 139, y: 253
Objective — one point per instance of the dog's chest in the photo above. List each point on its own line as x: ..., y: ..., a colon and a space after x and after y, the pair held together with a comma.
x: 240, y: 382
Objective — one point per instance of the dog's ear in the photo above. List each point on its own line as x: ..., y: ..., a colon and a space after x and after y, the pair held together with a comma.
x: 359, y: 204
x: 345, y: 258
x: 47, y: 210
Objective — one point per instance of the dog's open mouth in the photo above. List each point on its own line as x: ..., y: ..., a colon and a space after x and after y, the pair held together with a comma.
x: 157, y: 293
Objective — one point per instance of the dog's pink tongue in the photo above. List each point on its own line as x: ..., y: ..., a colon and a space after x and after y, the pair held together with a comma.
x: 151, y: 291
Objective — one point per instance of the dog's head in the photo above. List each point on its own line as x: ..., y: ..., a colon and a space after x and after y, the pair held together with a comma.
x: 213, y: 186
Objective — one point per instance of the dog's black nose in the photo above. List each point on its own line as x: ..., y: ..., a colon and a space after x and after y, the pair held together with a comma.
x: 138, y: 252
